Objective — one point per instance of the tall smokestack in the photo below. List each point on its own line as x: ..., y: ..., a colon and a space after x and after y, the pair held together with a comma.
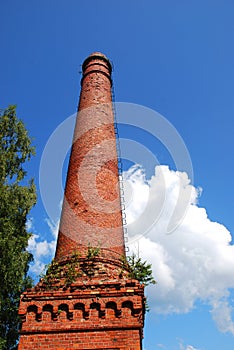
x: 88, y: 300
x: 91, y: 214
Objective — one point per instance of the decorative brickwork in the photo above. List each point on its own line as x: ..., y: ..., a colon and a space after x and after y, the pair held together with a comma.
x: 100, y: 309
x: 87, y: 300
x: 91, y: 315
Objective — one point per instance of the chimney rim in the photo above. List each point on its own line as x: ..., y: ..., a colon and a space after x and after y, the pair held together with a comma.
x: 97, y: 55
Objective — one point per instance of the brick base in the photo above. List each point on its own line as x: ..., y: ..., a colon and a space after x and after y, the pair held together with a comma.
x: 105, y: 313
x: 105, y: 339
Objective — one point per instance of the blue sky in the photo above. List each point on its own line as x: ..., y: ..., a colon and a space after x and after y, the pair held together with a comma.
x: 175, y: 57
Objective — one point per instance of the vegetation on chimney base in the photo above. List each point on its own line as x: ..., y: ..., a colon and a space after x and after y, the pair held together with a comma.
x: 138, y: 269
x: 59, y: 275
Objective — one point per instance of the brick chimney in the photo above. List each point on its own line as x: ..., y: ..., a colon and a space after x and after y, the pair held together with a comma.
x: 86, y: 300
x: 91, y: 212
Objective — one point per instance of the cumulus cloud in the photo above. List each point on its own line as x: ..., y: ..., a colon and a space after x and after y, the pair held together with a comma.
x: 53, y: 226
x: 188, y: 347
x: 181, y: 346
x: 194, y: 259
x: 43, y: 251
x: 222, y: 314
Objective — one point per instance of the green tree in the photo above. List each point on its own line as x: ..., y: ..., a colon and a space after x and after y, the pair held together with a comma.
x: 138, y: 269
x: 17, y: 197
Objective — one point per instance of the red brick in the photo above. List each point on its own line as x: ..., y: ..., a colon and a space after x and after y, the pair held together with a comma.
x: 94, y: 311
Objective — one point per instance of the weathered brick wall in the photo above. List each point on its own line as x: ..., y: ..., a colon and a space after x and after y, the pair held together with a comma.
x: 91, y: 210
x: 105, y: 340
x: 91, y: 315
x: 100, y: 308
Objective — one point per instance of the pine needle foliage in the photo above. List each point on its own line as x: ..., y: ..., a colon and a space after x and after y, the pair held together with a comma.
x: 139, y: 270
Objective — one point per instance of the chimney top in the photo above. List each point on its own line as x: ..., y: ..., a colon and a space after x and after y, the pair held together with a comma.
x: 97, y: 53
x: 97, y: 56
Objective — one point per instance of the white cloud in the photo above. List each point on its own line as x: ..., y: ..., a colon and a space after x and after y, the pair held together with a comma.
x: 53, y: 226
x: 180, y: 345
x: 40, y: 248
x: 222, y: 314
x: 186, y: 347
x: 43, y: 251
x: 29, y: 224
x: 192, y: 260
x: 195, y: 261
